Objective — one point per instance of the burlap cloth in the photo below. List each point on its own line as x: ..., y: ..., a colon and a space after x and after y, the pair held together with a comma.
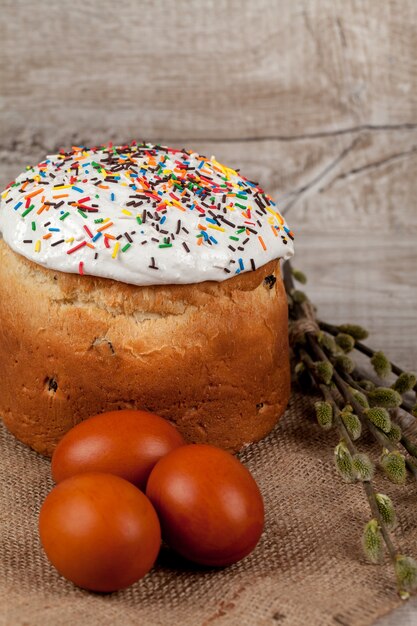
x: 308, y: 568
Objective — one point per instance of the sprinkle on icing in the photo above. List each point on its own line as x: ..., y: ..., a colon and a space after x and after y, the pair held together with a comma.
x: 142, y: 214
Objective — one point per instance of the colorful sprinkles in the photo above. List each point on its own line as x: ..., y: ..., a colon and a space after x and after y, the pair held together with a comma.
x: 144, y: 205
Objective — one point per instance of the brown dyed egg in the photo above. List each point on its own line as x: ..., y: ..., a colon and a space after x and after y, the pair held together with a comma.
x: 125, y: 443
x: 99, y: 531
x: 210, y: 508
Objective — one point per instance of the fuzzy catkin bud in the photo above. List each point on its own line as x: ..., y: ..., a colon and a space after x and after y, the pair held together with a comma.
x: 406, y: 572
x: 386, y: 510
x: 360, y: 398
x: 405, y: 382
x: 380, y: 417
x: 324, y: 414
x: 344, y: 363
x: 345, y: 341
x: 344, y: 463
x: 298, y: 296
x: 393, y: 464
x: 367, y: 385
x: 299, y: 276
x: 363, y: 466
x: 303, y: 377
x: 324, y: 371
x: 384, y: 397
x: 356, y: 331
x: 381, y: 365
x: 352, y: 424
x: 372, y: 542
x: 395, y: 434
x: 328, y: 343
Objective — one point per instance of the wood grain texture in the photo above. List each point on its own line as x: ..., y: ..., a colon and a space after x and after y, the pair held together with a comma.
x: 315, y: 99
x: 222, y: 68
x: 352, y: 180
x: 353, y: 279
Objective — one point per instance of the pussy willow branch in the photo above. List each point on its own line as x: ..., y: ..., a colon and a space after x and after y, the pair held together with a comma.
x: 344, y: 390
x: 344, y: 387
x: 352, y: 380
x: 361, y: 347
x: 310, y: 347
x: 357, y: 376
x: 380, y: 437
x: 367, y: 485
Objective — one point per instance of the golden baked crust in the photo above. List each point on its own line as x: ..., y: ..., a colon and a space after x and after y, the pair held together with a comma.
x: 211, y: 357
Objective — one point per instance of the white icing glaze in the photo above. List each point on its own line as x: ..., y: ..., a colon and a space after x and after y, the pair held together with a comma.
x: 41, y: 220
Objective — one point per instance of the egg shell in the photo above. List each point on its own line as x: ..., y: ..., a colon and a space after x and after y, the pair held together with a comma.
x: 210, y: 508
x: 126, y: 443
x: 99, y: 531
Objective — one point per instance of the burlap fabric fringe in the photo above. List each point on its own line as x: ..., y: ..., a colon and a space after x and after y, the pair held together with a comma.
x: 307, y: 569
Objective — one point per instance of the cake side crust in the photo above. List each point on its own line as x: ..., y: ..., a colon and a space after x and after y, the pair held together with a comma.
x: 211, y: 357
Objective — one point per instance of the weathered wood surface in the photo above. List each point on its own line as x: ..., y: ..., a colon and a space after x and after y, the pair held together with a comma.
x: 219, y: 69
x: 358, y: 180
x: 316, y: 99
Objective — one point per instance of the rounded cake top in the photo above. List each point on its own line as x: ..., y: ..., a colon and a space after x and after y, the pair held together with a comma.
x: 142, y: 214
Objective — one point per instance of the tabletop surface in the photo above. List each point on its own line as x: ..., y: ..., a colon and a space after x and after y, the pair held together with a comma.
x: 315, y: 100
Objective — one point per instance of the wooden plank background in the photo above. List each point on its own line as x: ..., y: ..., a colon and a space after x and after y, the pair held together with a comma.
x: 316, y: 99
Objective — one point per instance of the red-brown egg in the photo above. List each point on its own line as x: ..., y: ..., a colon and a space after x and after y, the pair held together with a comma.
x: 125, y: 443
x: 209, y: 506
x: 99, y: 531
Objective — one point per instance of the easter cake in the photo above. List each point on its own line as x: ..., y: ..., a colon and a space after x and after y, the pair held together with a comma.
x: 141, y: 276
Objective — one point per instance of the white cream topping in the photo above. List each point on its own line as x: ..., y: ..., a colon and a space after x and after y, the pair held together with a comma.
x: 142, y: 214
